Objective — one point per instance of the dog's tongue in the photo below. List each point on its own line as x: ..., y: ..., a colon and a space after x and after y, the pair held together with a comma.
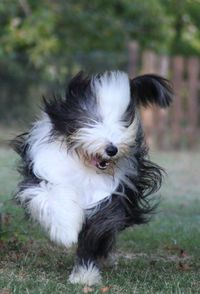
x: 94, y: 161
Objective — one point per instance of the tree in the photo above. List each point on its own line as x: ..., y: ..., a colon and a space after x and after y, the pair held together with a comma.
x: 44, y: 42
x: 185, y: 23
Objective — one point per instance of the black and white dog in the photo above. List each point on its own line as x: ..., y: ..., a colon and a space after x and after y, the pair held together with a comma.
x: 85, y: 166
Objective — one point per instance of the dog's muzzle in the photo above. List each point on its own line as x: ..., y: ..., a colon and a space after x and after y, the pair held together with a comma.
x: 100, y: 163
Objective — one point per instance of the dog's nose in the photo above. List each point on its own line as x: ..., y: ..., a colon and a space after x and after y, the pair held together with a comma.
x: 111, y: 150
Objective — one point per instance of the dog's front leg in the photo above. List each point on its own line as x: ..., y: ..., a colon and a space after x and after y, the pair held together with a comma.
x: 91, y: 248
x: 96, y: 241
x: 57, y: 209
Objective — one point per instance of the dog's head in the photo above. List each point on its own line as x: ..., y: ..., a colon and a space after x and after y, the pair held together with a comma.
x: 99, y: 115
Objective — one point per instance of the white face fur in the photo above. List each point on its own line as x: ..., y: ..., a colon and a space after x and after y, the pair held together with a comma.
x: 112, y: 91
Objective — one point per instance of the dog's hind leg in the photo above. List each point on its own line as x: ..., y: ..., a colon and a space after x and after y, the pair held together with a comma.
x: 96, y: 241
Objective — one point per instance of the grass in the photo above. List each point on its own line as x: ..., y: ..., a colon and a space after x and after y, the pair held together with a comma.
x: 161, y: 257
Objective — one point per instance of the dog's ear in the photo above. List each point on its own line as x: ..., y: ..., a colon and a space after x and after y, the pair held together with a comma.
x: 151, y: 89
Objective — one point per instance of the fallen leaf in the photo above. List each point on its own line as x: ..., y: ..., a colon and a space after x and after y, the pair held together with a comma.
x: 183, y: 253
x: 184, y: 266
x: 172, y: 248
x: 1, y: 246
x: 105, y: 289
x: 87, y: 289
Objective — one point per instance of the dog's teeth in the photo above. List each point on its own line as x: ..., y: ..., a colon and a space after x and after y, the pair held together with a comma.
x: 103, y: 164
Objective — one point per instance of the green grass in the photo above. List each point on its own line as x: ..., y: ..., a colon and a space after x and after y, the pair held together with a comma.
x: 161, y: 257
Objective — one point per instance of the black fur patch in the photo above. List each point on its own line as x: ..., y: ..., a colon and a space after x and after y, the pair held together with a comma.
x: 76, y: 110
x: 151, y: 89
x: 20, y: 145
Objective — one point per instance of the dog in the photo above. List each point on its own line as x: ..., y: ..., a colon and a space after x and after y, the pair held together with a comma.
x: 85, y: 166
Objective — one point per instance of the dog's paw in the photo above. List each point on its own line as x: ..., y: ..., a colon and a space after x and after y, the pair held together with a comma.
x: 87, y: 274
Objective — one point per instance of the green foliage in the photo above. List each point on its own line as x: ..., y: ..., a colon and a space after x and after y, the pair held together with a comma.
x: 185, y: 21
x: 44, y: 42
x: 53, y: 32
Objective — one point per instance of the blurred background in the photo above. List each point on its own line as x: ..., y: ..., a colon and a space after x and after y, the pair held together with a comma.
x: 44, y: 43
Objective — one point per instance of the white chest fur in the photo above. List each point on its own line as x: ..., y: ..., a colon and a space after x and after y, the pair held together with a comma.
x: 56, y: 166
x: 52, y: 163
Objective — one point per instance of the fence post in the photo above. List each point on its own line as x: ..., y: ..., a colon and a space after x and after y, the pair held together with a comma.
x: 149, y: 65
x: 192, y: 99
x: 177, y: 111
x: 179, y: 123
x: 162, y: 114
x: 133, y: 56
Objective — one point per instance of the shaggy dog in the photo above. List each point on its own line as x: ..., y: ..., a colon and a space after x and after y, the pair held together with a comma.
x: 86, y: 175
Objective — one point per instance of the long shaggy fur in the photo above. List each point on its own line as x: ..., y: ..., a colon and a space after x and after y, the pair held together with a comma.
x: 85, y: 167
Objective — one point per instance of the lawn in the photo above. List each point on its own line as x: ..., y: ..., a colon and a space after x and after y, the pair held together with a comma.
x: 160, y: 257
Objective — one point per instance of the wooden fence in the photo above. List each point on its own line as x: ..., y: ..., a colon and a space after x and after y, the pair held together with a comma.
x: 178, y: 126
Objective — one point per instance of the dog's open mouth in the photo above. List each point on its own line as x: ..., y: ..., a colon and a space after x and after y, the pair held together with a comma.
x: 100, y: 162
